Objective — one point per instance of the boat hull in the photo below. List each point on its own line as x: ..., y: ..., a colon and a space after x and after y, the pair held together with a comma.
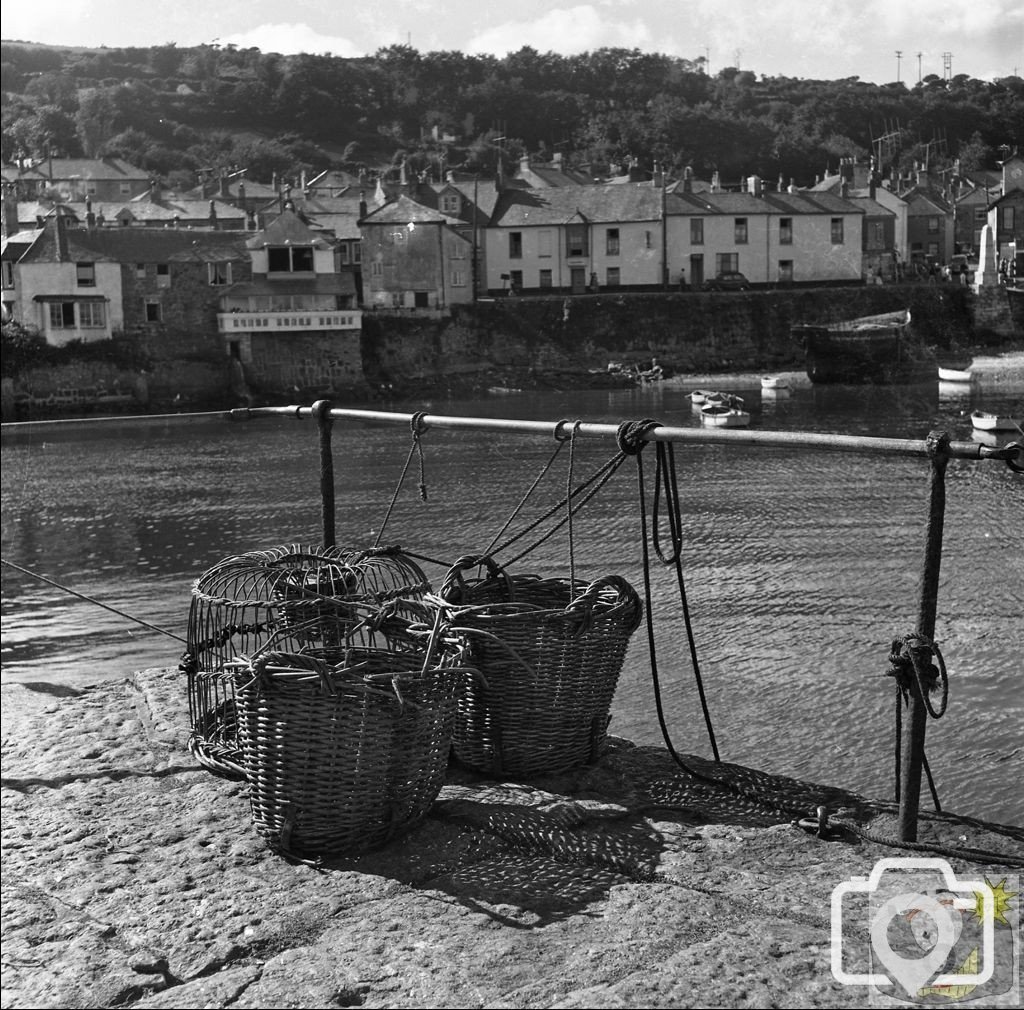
x: 954, y: 375
x: 984, y: 421
x: 878, y: 349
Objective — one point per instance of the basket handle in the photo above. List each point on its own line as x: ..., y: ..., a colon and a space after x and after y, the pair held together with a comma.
x: 454, y: 585
x: 584, y: 604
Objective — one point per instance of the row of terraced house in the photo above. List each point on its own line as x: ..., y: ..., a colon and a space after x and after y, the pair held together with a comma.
x: 245, y: 261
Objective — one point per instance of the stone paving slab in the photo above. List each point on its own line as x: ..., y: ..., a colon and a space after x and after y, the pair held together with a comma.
x: 134, y: 878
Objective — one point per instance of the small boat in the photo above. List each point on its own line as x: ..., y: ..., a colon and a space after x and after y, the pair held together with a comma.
x: 723, y: 399
x: 774, y: 382
x: 881, y: 348
x: 984, y: 421
x: 955, y: 374
x: 698, y: 396
x: 720, y: 415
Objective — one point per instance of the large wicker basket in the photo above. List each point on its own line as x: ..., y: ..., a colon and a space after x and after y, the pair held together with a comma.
x: 292, y: 598
x: 549, y: 655
x: 344, y: 757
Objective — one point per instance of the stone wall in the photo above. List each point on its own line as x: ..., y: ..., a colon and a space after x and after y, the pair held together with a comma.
x: 303, y: 362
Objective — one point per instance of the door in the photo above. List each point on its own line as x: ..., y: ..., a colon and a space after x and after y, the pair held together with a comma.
x: 696, y: 270
x: 578, y: 278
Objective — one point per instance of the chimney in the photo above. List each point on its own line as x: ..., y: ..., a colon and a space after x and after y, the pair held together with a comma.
x: 224, y: 191
x: 213, y: 214
x: 716, y: 182
x: 688, y: 179
x: 846, y: 169
x: 844, y: 189
x: 241, y: 195
x: 302, y: 181
x: 556, y: 159
x: 155, y: 190
x: 362, y: 204
x: 177, y: 221
x: 754, y: 185
x: 791, y: 188
x: 90, y: 217
x: 781, y: 185
x: 61, y: 225
x: 10, y: 210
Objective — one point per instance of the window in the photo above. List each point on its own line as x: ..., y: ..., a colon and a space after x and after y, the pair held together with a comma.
x: 785, y: 231
x: 740, y: 231
x: 163, y: 275
x: 140, y: 271
x: 451, y: 203
x: 283, y: 259
x: 612, y: 277
x: 727, y: 263
x: 458, y: 278
x: 377, y: 269
x: 421, y: 299
x: 1006, y: 218
x: 648, y: 239
x: 696, y: 231
x: 933, y: 226
x: 612, y: 242
x: 219, y: 273
x: 544, y: 244
x: 357, y: 252
x: 576, y: 243
x: 90, y: 188
x: 8, y: 274
x: 62, y: 315
x: 837, y: 231
x: 933, y: 248
x: 153, y: 312
x: 876, y: 235
x: 85, y: 274
x: 125, y: 188
x: 92, y: 315
x: 545, y: 278
x: 343, y: 253
x: 785, y: 271
x: 516, y: 279
x: 515, y: 245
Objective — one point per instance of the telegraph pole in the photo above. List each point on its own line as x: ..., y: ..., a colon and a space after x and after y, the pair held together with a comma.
x: 899, y: 56
x: 919, y: 55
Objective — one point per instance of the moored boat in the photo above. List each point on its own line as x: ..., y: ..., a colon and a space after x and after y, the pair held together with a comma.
x: 774, y: 382
x: 984, y: 421
x: 880, y: 348
x: 698, y: 396
x: 955, y: 374
x: 721, y: 415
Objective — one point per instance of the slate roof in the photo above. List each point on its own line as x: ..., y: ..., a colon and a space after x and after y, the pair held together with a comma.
x: 86, y: 168
x: 519, y: 208
x: 137, y: 245
x: 144, y: 209
x: 404, y: 210
x: 748, y: 205
x: 288, y: 229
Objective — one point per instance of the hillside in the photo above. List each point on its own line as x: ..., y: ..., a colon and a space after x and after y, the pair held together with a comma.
x: 174, y: 110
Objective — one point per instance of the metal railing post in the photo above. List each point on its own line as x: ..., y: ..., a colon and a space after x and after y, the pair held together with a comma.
x: 912, y: 751
x: 321, y: 410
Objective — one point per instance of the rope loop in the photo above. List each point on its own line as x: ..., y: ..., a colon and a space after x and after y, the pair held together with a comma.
x: 559, y: 437
x: 1014, y: 449
x: 630, y: 435
x: 907, y: 658
x: 416, y: 424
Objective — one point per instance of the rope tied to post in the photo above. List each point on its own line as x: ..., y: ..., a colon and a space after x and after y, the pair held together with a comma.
x: 417, y: 427
x: 910, y: 664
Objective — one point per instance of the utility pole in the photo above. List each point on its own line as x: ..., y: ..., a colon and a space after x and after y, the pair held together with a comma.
x: 947, y: 66
x: 919, y: 55
x: 899, y: 56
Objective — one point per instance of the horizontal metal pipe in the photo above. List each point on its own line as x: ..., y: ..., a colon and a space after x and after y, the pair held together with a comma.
x: 663, y: 433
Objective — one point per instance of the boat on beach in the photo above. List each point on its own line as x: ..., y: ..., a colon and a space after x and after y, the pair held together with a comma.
x: 774, y: 382
x: 984, y: 421
x: 955, y: 374
x: 881, y: 348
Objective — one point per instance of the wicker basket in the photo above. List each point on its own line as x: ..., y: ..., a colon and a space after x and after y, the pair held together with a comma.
x: 342, y: 758
x: 293, y: 598
x: 549, y: 656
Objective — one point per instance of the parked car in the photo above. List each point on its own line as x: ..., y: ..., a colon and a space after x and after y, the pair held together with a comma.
x: 730, y: 281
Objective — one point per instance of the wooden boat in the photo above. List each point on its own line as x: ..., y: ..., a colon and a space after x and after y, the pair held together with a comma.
x: 774, y: 382
x: 955, y: 374
x: 880, y: 348
x: 984, y: 421
x: 720, y: 415
x: 698, y: 396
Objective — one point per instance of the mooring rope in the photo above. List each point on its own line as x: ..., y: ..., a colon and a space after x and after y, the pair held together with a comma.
x: 95, y: 602
x: 418, y: 428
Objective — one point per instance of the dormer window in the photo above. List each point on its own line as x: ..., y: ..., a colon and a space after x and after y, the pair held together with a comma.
x: 451, y: 203
x: 290, y: 259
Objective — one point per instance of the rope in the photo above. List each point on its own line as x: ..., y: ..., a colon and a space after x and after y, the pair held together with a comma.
x: 904, y: 660
x: 560, y: 440
x: 568, y: 515
x: 418, y: 428
x: 89, y: 599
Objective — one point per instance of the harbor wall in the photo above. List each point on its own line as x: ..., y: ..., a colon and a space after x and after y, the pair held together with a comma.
x: 519, y: 342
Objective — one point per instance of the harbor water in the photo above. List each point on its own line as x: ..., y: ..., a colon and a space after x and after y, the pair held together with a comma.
x: 801, y: 566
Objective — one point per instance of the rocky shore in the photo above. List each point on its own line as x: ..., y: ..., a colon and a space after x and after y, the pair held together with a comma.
x: 134, y: 878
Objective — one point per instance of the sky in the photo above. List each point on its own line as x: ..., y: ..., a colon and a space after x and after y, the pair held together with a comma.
x: 819, y: 39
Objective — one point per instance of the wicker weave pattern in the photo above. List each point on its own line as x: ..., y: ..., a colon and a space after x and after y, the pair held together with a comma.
x: 292, y: 598
x: 342, y: 758
x: 550, y: 660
